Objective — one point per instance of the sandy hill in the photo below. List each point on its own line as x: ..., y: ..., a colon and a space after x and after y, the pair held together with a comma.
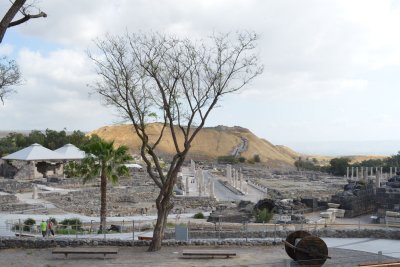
x: 208, y: 144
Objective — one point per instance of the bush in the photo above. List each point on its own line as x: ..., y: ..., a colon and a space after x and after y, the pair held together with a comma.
x: 199, y: 215
x: 26, y: 225
x: 29, y: 221
x: 242, y: 159
x: 256, y: 158
x: 263, y: 216
x: 75, y: 223
x: 227, y: 159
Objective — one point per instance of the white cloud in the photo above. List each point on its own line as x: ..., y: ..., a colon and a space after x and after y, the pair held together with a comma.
x: 6, y: 50
x: 54, y: 93
x: 325, y: 54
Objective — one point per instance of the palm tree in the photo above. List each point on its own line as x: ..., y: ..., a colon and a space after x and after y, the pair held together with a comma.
x: 108, y: 163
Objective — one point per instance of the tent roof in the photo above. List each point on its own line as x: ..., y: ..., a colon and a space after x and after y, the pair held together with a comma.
x: 34, y: 152
x: 70, y: 151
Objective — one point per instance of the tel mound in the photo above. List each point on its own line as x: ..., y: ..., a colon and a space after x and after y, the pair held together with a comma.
x: 209, y: 144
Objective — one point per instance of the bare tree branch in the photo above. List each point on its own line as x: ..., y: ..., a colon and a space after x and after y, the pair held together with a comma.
x: 18, y: 5
x: 176, y: 80
x: 9, y: 76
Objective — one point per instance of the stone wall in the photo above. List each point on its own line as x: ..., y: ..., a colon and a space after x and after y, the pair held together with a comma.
x: 350, y: 233
x: 189, y: 202
x: 38, y: 243
x: 388, y: 198
x: 357, y: 203
x: 8, y: 199
x: 208, y: 239
x: 12, y: 186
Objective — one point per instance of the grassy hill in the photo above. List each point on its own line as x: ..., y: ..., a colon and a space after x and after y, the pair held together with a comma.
x: 208, y: 145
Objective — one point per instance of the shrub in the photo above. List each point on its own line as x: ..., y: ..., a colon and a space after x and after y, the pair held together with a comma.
x: 242, y: 159
x: 256, y: 158
x: 227, y: 159
x: 75, y: 223
x: 263, y: 216
x: 199, y: 215
x: 28, y: 223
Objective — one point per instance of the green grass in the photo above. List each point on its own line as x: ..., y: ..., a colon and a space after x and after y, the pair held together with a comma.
x: 68, y: 231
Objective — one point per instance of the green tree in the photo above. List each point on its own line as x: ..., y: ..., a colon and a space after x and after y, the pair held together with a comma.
x: 107, y: 162
x: 256, y: 158
x: 227, y: 160
x: 301, y: 164
x: 37, y: 137
x: 263, y: 216
x: 338, y: 166
x: 78, y: 138
x: 55, y: 139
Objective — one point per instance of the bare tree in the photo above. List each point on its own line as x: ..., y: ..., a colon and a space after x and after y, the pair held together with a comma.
x: 9, y: 76
x: 24, y: 9
x: 177, y: 81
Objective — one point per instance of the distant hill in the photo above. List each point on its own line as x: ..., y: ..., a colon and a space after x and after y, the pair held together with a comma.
x: 210, y: 143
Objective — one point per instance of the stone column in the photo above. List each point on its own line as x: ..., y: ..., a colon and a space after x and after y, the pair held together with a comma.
x: 229, y: 173
x: 357, y: 173
x: 347, y: 172
x: 372, y: 171
x: 352, y: 173
x: 361, y: 174
x: 212, y: 189
x: 35, y: 193
x: 187, y: 186
x: 235, y: 179
x: 199, y: 182
x: 32, y: 170
x: 390, y: 171
x: 395, y: 170
x: 241, y: 182
x: 203, y: 182
x: 377, y: 180
x: 192, y: 166
x: 366, y: 173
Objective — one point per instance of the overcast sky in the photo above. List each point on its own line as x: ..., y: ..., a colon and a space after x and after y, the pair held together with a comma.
x: 332, y: 68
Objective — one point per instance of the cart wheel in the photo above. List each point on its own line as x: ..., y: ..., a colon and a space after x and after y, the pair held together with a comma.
x: 312, y: 251
x: 291, y: 239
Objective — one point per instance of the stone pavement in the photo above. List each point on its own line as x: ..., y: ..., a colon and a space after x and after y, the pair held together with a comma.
x: 171, y: 256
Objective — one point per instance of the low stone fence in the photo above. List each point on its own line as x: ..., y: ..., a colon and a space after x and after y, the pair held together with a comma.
x: 210, y: 238
x: 348, y: 233
x: 38, y: 243
x: 8, y: 199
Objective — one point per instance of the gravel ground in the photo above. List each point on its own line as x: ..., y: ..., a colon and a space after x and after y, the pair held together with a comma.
x: 171, y: 256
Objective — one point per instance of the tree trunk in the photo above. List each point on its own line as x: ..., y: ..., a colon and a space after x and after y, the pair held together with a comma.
x: 163, y: 208
x: 8, y: 17
x: 103, y: 202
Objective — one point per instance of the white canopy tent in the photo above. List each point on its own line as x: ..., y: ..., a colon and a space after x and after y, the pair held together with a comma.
x: 70, y: 152
x: 34, y: 152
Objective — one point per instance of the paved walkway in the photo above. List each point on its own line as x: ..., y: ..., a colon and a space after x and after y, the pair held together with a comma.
x: 171, y: 257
